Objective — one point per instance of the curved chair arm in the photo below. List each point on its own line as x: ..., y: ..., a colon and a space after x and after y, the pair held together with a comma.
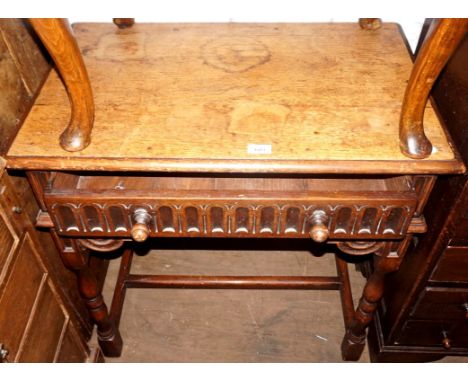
x: 442, y: 40
x: 60, y: 43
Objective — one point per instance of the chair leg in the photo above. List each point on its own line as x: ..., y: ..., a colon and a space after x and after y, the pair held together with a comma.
x: 438, y: 47
x: 60, y: 43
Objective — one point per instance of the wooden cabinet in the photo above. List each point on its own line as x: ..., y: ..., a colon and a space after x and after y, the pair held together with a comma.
x: 35, y: 323
x: 424, y: 314
x: 42, y: 317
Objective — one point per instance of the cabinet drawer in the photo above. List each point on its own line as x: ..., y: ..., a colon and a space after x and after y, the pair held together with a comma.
x: 442, y: 304
x: 429, y: 333
x: 452, y: 265
x: 230, y: 206
x: 461, y: 228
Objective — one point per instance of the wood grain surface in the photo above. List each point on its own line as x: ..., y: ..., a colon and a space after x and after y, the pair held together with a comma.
x: 192, y: 97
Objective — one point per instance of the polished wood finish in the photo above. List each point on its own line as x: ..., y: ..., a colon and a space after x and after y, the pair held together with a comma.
x: 57, y: 37
x: 427, y: 297
x: 155, y: 118
x: 432, y: 57
x: 233, y: 282
x: 452, y: 266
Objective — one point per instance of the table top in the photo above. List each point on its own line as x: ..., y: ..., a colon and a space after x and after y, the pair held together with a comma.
x: 292, y: 98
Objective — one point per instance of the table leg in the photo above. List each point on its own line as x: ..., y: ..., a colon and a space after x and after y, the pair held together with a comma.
x: 386, y: 261
x: 76, y: 258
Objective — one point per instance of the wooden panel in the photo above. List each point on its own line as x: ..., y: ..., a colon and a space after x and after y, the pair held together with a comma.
x: 23, y: 69
x: 8, y: 241
x: 260, y: 84
x: 14, y: 101
x: 44, y: 334
x: 63, y: 277
x: 452, y: 266
x: 442, y: 304
x: 19, y: 296
x: 461, y: 227
x: 26, y: 52
x: 71, y: 349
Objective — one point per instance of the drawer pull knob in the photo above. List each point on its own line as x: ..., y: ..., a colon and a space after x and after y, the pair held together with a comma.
x: 319, y: 231
x: 140, y: 229
x: 446, y: 343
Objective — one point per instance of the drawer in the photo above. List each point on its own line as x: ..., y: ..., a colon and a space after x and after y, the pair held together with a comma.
x: 230, y: 206
x: 442, y: 304
x: 461, y: 228
x: 452, y: 265
x: 429, y: 333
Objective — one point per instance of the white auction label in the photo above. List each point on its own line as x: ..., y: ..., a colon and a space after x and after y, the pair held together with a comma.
x: 253, y: 148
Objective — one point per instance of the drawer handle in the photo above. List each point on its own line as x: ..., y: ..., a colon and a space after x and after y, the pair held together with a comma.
x: 446, y: 343
x: 319, y: 231
x: 140, y: 230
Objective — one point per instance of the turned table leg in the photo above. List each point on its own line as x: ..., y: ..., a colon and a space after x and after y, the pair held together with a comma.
x: 386, y: 261
x: 438, y: 47
x: 76, y: 259
x: 60, y: 43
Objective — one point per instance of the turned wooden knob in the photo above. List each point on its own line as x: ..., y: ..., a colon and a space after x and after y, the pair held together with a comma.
x: 140, y: 229
x: 319, y: 231
x: 140, y: 232
x: 446, y: 343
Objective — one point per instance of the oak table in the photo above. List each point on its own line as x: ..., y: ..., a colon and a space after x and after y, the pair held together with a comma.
x: 236, y: 130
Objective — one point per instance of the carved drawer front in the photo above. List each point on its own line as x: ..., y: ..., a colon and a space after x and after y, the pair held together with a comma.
x: 452, y: 266
x: 445, y: 335
x: 442, y: 304
x: 182, y: 206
